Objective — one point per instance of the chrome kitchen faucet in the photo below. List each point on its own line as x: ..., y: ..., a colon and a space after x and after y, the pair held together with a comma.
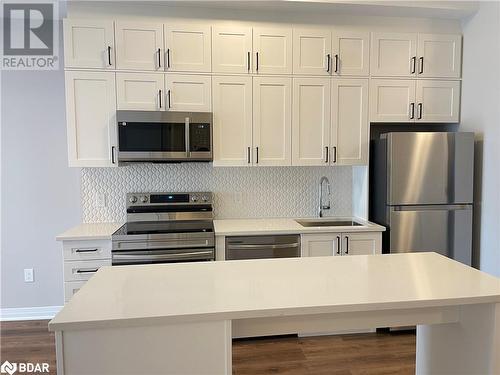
x: 321, y: 205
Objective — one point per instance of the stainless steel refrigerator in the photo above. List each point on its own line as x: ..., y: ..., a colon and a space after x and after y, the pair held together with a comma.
x: 421, y: 189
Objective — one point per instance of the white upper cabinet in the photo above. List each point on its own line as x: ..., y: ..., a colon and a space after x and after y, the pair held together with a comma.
x: 393, y: 54
x: 272, y: 49
x: 311, y: 121
x: 188, y: 48
x: 312, y: 51
x: 139, y: 45
x: 392, y: 100
x: 231, y: 49
x: 232, y: 119
x: 437, y: 101
x: 140, y: 91
x: 349, y: 135
x: 91, y: 119
x: 272, y: 120
x: 350, y: 53
x: 191, y: 92
x: 89, y: 44
x: 439, y: 55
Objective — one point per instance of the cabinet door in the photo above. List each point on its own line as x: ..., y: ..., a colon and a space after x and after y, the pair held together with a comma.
x: 392, y: 100
x: 311, y: 121
x: 312, y: 51
x: 319, y: 245
x: 272, y: 48
x: 140, y: 91
x: 232, y: 116
x: 91, y: 118
x: 439, y: 55
x: 272, y: 120
x: 361, y: 243
x: 438, y: 101
x: 231, y: 49
x: 393, y: 54
x: 188, y: 93
x: 139, y: 45
x: 89, y: 44
x: 187, y: 48
x: 350, y: 53
x: 349, y: 121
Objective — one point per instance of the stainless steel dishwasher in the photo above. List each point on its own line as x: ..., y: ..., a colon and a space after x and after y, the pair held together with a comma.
x: 262, y: 247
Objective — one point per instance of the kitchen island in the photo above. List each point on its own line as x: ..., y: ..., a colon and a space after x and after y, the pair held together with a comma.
x: 177, y: 318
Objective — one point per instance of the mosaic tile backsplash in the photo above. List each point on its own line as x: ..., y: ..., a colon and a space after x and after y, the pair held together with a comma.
x: 238, y: 192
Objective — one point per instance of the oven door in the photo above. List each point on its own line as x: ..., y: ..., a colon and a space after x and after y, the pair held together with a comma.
x: 120, y: 258
x: 152, y: 141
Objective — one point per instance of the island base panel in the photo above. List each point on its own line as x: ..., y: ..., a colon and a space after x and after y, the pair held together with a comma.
x: 470, y: 346
x: 177, y: 349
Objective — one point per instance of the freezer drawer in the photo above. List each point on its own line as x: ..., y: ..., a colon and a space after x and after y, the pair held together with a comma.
x: 444, y: 229
x: 429, y: 168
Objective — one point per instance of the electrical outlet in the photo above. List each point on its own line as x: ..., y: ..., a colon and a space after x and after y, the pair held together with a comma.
x: 100, y: 200
x: 28, y: 275
x: 238, y: 197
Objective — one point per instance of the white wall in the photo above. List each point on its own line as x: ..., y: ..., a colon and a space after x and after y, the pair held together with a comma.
x: 481, y: 114
x: 40, y: 194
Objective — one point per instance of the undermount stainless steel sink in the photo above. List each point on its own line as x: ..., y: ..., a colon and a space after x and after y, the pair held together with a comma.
x: 328, y: 223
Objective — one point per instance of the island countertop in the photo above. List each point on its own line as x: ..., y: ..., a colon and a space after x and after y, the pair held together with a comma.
x: 174, y: 293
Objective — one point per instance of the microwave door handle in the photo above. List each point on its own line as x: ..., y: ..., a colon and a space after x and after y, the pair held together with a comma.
x: 187, y: 136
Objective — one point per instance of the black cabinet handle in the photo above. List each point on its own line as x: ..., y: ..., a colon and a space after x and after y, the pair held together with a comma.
x: 109, y: 56
x: 257, y: 61
x: 112, y: 154
x: 248, y: 61
x: 326, y: 156
x: 420, y: 111
x: 328, y: 58
x: 248, y: 155
x: 256, y: 155
x: 338, y: 245
x: 159, y: 58
x: 159, y: 98
x: 346, y: 245
x: 336, y: 63
x: 86, y: 250
x: 412, y: 111
x: 169, y: 94
x: 168, y: 57
x: 334, y: 154
x: 413, y: 64
x: 421, y: 65
x: 87, y: 271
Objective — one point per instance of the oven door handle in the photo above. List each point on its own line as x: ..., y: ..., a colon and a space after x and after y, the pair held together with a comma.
x: 152, y: 245
x: 263, y: 246
x: 209, y: 254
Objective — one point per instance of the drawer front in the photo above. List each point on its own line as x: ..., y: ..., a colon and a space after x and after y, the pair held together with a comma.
x: 70, y: 288
x: 83, y: 270
x: 87, y: 250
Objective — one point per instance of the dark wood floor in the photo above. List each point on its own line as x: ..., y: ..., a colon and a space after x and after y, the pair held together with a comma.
x: 372, y: 353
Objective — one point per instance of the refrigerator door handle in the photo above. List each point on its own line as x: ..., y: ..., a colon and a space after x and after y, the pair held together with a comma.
x: 433, y: 207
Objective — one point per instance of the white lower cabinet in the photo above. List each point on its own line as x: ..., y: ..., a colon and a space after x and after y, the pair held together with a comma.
x: 188, y: 92
x: 81, y: 260
x: 232, y: 120
x: 345, y: 243
x: 140, y: 91
x: 91, y: 118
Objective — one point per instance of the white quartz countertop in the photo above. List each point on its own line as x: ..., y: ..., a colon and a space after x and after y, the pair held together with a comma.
x: 90, y: 231
x: 237, y: 227
x: 207, y: 291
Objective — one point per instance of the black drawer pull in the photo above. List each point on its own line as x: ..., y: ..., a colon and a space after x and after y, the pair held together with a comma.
x: 86, y: 250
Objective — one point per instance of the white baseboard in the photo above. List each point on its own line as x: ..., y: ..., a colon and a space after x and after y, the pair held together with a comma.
x: 29, y: 313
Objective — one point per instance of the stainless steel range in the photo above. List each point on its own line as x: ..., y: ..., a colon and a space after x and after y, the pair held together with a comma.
x: 165, y: 228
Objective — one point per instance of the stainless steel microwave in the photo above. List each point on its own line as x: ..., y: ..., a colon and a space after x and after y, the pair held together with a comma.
x: 163, y: 137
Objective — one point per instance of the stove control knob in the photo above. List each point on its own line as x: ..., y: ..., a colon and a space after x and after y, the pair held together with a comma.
x: 204, y: 198
x: 144, y: 199
x: 133, y: 199
x: 194, y: 198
